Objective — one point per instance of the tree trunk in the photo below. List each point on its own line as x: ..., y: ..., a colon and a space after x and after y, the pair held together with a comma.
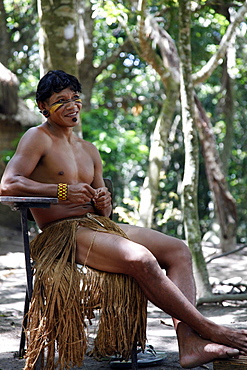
x: 85, y: 56
x: 225, y: 206
x: 191, y: 170
x: 167, y: 68
x: 5, y: 48
x: 58, y: 35
x: 156, y: 159
x: 58, y: 38
x: 227, y: 107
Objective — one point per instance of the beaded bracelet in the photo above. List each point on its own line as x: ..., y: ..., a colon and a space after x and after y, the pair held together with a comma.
x: 62, y: 191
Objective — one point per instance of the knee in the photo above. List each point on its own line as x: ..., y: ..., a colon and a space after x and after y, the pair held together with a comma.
x: 183, y: 253
x: 141, y: 263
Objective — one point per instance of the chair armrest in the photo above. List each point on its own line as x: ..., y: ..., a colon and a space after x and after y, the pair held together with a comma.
x: 27, y: 202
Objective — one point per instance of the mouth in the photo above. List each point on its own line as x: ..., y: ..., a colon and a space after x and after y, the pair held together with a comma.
x: 71, y: 115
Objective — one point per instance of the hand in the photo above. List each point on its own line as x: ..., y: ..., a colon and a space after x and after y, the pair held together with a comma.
x: 80, y: 193
x: 102, y: 198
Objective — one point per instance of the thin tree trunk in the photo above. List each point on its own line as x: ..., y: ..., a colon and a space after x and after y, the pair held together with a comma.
x: 168, y: 69
x: 225, y: 206
x: 191, y: 170
x: 227, y: 108
x: 156, y: 159
x: 85, y: 56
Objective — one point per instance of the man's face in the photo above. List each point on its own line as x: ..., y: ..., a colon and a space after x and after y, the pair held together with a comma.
x: 64, y: 107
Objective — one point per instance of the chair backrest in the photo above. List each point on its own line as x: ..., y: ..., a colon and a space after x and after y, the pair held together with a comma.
x: 108, y: 184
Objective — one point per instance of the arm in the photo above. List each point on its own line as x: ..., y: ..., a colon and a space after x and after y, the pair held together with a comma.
x: 16, y: 178
x: 25, y: 176
x: 19, y: 177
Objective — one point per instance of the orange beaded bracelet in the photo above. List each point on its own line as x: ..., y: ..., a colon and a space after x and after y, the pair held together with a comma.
x: 62, y: 191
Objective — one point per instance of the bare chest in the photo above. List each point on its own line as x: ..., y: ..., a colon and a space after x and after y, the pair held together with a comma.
x: 67, y: 163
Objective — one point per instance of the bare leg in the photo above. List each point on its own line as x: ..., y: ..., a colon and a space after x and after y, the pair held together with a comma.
x: 115, y: 254
x: 174, y: 256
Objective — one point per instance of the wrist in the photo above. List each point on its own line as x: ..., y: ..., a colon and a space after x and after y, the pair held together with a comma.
x: 62, y: 191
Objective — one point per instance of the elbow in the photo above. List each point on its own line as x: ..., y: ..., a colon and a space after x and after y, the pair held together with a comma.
x: 4, y: 190
x: 8, y: 188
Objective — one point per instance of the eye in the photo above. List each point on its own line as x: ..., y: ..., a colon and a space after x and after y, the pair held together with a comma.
x: 60, y: 101
x: 77, y: 99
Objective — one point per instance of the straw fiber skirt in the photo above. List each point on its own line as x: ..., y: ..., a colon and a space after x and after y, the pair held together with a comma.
x: 65, y: 298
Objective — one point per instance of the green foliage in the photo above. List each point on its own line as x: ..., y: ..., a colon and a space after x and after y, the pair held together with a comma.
x: 110, y: 11
x: 121, y: 149
x: 128, y: 96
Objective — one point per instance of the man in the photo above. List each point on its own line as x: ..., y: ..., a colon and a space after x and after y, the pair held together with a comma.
x: 51, y: 161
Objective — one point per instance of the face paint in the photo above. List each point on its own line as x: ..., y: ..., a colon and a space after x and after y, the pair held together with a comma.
x: 57, y: 105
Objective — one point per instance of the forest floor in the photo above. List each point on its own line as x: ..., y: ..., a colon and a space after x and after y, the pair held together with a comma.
x: 160, y: 333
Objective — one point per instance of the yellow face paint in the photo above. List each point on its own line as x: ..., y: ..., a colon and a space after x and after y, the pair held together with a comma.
x: 57, y: 105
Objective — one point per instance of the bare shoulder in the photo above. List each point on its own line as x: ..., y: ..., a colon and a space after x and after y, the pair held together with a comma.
x: 35, y: 139
x: 90, y: 148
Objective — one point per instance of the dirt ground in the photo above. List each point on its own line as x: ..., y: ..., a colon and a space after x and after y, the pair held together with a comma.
x: 160, y: 333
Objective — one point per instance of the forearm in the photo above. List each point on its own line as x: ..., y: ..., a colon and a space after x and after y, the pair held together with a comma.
x: 22, y: 186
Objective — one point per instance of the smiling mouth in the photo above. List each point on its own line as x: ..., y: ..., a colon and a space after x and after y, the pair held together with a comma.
x: 71, y: 115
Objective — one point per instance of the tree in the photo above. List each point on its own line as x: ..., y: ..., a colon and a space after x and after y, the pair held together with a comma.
x: 167, y: 67
x: 58, y: 35
x: 224, y: 202
x: 191, y: 169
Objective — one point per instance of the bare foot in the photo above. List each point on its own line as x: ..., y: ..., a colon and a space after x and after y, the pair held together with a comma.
x: 235, y: 338
x: 195, y: 351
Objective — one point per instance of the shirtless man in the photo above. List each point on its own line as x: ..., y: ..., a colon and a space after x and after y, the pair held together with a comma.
x: 50, y: 154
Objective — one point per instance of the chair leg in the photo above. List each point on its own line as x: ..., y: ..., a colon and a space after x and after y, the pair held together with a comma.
x: 29, y: 272
x: 134, y: 364
x: 24, y: 326
x: 38, y: 364
x: 29, y: 275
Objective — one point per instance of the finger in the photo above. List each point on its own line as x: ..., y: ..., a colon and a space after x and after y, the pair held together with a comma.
x: 90, y: 192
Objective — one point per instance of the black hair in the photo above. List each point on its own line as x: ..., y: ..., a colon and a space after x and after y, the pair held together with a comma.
x: 55, y: 81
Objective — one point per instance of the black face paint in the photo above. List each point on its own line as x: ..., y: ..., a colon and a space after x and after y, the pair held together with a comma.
x: 61, y: 102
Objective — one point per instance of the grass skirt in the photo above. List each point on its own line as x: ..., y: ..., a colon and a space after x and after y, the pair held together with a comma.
x: 65, y: 298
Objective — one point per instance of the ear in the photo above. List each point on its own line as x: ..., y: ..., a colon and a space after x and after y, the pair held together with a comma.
x: 42, y: 105
x: 43, y: 109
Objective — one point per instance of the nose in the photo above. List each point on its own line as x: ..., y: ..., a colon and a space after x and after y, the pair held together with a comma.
x: 72, y: 102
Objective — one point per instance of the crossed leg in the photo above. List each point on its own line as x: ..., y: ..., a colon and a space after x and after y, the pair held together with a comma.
x: 146, y: 254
